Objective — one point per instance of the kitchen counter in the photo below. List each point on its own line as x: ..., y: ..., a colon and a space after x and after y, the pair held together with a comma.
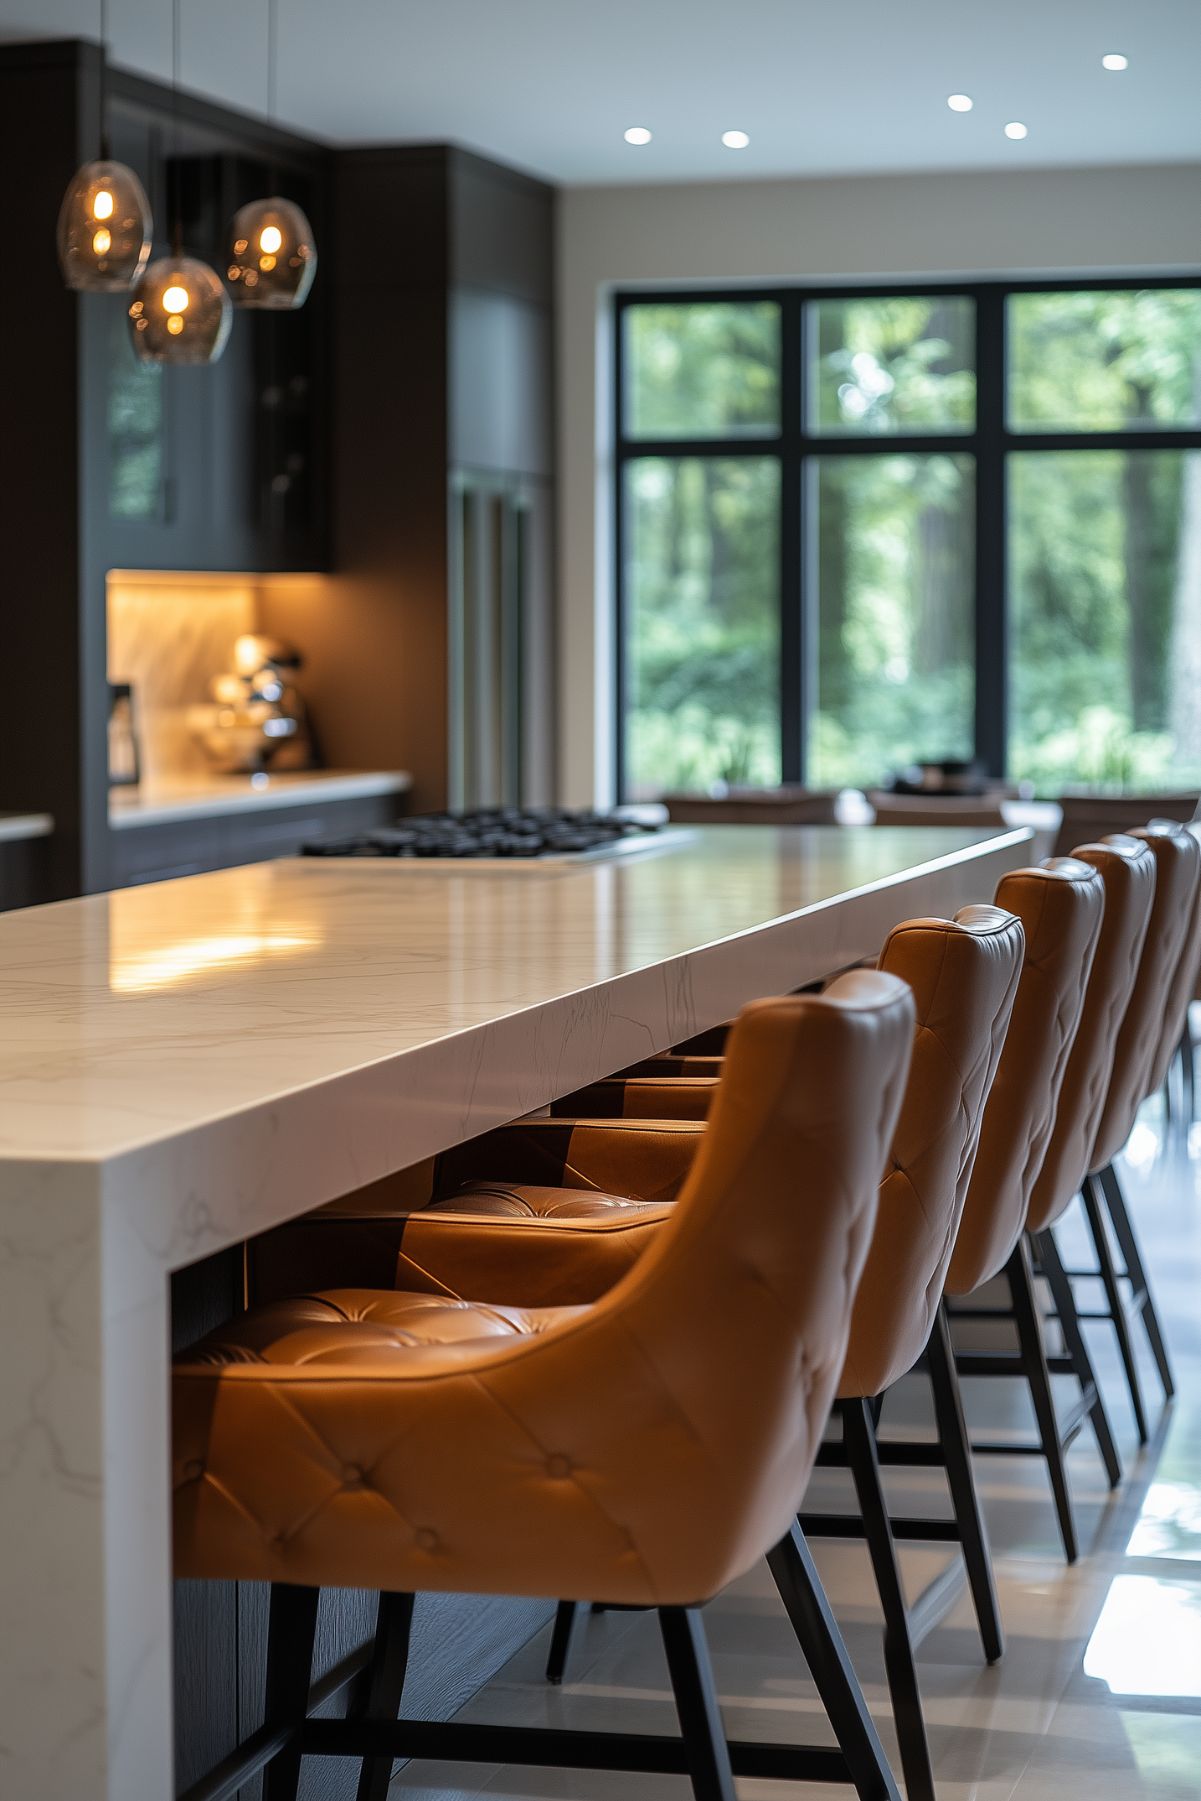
x: 15, y: 828
x: 187, y: 1064
x: 211, y: 796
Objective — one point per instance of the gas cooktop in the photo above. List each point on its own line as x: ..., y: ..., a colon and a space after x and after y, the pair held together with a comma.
x: 487, y: 833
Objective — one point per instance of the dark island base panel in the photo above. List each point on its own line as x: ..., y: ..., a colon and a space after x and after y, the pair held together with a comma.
x: 24, y: 863
x: 458, y: 1644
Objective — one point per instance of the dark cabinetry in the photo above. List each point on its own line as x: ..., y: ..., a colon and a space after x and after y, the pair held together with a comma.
x: 220, y: 467
x: 444, y: 485
x: 22, y: 872
x: 395, y: 434
x: 110, y: 464
x: 156, y: 853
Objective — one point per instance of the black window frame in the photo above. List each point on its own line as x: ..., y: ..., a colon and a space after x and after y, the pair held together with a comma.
x: 990, y: 444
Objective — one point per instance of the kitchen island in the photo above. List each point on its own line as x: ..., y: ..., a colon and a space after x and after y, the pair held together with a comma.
x: 185, y: 1065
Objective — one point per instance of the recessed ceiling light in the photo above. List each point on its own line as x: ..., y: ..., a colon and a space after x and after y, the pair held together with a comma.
x: 1115, y: 61
x: 1015, y: 130
x: 638, y: 134
x: 959, y: 103
x: 735, y: 140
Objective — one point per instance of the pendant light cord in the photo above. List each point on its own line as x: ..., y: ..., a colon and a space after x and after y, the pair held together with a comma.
x: 272, y: 57
x: 276, y: 498
x: 176, y: 171
x: 272, y: 86
x: 105, y: 148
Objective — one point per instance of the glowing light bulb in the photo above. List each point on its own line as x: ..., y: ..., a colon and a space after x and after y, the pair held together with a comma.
x: 1115, y: 62
x: 102, y: 243
x: 102, y: 205
x: 1016, y: 130
x: 273, y: 257
x: 175, y: 300
x: 735, y: 140
x: 959, y: 103
x: 637, y: 134
x: 175, y: 325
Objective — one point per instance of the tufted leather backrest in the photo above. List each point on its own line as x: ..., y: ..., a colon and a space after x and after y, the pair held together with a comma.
x: 647, y: 1448
x: 1061, y: 906
x: 964, y: 976
x: 1177, y: 855
x: 1182, y: 990
x: 1127, y: 870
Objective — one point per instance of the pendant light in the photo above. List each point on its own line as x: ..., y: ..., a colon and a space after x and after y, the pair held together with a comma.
x: 272, y: 256
x: 104, y: 223
x: 180, y: 312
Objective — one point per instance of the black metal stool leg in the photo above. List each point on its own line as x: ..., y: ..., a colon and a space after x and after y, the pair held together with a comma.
x: 1188, y: 1070
x: 1115, y: 1301
x: 1123, y: 1227
x: 389, y: 1661
x: 566, y: 1616
x: 825, y: 1653
x: 957, y: 1451
x: 696, y: 1703
x: 860, y: 1438
x: 291, y: 1630
x: 1051, y: 1265
x: 1034, y: 1365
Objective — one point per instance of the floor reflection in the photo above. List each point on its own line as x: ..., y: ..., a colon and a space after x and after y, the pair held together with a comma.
x: 1169, y: 1524
x: 1148, y: 1638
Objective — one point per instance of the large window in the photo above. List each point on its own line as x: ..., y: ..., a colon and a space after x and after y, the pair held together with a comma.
x: 858, y: 530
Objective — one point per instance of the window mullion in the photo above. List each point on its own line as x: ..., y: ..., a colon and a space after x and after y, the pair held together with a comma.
x: 991, y: 600
x: 793, y: 721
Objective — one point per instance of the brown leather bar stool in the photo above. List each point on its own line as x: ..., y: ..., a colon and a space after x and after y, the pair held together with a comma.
x: 1127, y: 868
x: 1153, y: 1000
x: 1175, y: 1036
x: 644, y: 1450
x: 1061, y: 905
x: 562, y: 1193
x: 1094, y: 818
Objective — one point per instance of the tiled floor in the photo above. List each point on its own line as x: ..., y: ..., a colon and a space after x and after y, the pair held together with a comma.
x: 1098, y: 1696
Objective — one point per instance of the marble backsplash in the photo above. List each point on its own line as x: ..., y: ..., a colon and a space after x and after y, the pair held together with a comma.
x: 169, y: 634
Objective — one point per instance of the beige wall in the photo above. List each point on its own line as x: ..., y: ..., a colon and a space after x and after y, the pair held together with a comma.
x: 1035, y: 222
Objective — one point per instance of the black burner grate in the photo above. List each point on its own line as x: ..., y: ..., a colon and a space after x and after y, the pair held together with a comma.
x: 489, y: 832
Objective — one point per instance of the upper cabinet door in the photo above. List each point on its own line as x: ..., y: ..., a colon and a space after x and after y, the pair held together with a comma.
x: 220, y: 467
x: 141, y: 424
x: 269, y: 467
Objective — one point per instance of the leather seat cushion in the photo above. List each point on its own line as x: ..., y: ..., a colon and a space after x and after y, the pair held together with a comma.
x: 536, y: 1246
x: 353, y: 1325
x: 649, y: 1097
x: 519, y: 1200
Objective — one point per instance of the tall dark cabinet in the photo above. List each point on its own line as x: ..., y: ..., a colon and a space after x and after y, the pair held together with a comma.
x: 443, y: 481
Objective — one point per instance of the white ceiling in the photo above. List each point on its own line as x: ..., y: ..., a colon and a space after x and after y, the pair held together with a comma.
x: 822, y: 88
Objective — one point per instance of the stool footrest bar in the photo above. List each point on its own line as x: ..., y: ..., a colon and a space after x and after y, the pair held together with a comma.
x: 542, y: 1747
x: 256, y: 1751
x: 850, y: 1525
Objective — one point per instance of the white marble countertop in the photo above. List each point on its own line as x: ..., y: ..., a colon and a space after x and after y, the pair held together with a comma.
x: 187, y: 1064
x: 133, y: 1017
x: 210, y: 796
x: 17, y: 826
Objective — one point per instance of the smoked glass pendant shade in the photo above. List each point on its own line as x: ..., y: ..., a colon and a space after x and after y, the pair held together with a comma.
x: 180, y: 312
x: 272, y: 256
x: 104, y: 228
